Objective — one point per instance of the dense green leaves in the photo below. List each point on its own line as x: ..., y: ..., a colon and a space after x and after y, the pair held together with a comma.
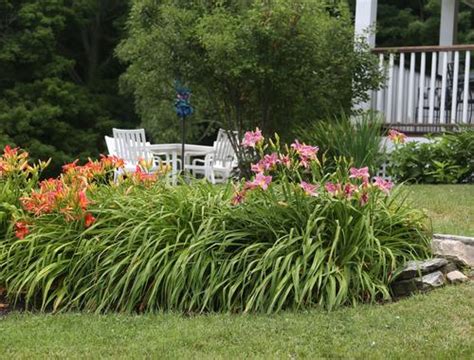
x: 58, y: 91
x: 358, y: 142
x: 186, y: 248
x: 251, y: 63
x: 449, y: 160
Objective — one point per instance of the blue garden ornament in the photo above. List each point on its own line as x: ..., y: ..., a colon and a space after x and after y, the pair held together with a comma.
x: 182, y: 105
x: 183, y: 110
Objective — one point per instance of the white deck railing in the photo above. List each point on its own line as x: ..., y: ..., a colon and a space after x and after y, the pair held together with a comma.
x: 426, y: 85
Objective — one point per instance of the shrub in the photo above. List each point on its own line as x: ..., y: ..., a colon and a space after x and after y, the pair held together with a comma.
x: 285, y: 239
x: 450, y: 159
x: 357, y: 141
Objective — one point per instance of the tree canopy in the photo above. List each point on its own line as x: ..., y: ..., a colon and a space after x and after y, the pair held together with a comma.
x: 58, y: 88
x: 254, y: 63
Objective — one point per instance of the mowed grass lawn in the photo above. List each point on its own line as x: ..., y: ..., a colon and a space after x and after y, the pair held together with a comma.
x: 437, y: 325
x: 450, y: 207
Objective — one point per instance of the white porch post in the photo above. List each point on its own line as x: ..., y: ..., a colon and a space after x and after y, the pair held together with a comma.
x: 365, y: 20
x: 449, y: 22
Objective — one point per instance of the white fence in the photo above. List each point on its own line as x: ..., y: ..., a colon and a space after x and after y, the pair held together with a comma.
x: 426, y: 85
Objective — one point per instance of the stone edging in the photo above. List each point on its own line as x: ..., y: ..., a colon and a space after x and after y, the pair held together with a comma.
x: 464, y: 239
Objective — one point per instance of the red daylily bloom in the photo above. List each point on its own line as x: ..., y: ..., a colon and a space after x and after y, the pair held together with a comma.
x: 21, y: 229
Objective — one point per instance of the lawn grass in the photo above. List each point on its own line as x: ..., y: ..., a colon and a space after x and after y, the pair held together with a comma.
x: 438, y: 325
x: 450, y: 207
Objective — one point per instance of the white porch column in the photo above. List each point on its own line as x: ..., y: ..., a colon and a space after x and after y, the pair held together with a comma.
x: 449, y: 22
x: 365, y: 20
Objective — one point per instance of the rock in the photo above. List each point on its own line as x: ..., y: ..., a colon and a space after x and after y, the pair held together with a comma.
x: 456, y: 277
x: 430, y: 281
x: 450, y: 266
x: 404, y: 288
x: 423, y: 283
x: 413, y: 269
x: 459, y: 249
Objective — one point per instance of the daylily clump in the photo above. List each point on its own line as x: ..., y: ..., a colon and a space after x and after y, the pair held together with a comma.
x: 69, y: 194
x: 299, y: 166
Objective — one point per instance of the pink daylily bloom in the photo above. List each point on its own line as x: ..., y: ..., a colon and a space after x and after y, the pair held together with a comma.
x: 257, y: 168
x: 364, y: 199
x: 260, y: 181
x: 252, y: 138
x: 238, y: 198
x: 384, y: 185
x: 309, y: 189
x: 306, y: 153
x: 270, y: 161
x: 396, y: 136
x: 332, y: 188
x: 362, y: 173
x: 285, y: 160
x: 304, y: 150
x: 267, y: 163
x: 349, y: 189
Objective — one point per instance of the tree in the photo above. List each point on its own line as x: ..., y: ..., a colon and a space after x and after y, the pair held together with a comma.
x: 273, y: 64
x: 58, y: 87
x: 414, y: 23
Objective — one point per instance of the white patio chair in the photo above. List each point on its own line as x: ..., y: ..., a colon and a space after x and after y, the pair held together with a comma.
x: 110, y: 143
x: 218, y: 165
x: 131, y: 146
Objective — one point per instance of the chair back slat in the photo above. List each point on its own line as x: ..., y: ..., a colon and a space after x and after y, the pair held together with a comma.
x: 131, y: 145
x: 223, y: 151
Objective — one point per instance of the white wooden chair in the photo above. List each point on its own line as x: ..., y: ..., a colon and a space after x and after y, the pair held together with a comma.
x: 218, y: 165
x: 131, y: 146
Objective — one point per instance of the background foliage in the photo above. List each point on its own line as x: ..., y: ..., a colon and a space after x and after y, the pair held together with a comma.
x: 358, y: 142
x: 58, y: 87
x: 250, y: 63
x: 450, y: 159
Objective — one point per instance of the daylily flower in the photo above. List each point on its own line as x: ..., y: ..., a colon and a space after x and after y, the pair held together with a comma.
x: 309, y: 189
x: 252, y: 138
x: 349, y: 189
x: 332, y: 188
x: 362, y: 173
x: 396, y: 136
x: 285, y: 160
x: 267, y: 163
x: 238, y: 198
x: 21, y: 229
x: 306, y: 153
x: 89, y: 219
x: 383, y: 185
x: 257, y: 168
x: 364, y: 199
x: 82, y: 200
x: 8, y: 152
x: 70, y: 167
x: 260, y: 181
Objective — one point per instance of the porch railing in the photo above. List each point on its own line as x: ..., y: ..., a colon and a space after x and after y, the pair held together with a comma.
x: 426, y: 85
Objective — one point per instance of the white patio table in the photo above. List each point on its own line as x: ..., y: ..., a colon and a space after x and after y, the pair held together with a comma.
x: 173, y: 151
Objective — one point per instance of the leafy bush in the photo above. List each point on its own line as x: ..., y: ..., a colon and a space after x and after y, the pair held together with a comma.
x: 358, y: 141
x: 450, y: 159
x: 285, y: 239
